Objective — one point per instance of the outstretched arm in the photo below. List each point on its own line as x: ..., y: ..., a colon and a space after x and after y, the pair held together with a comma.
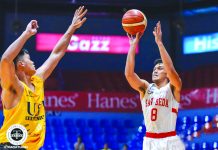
x: 133, y: 79
x: 7, y: 68
x: 60, y: 48
x: 173, y: 76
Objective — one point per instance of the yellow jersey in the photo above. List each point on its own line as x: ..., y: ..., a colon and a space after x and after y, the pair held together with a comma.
x: 29, y: 113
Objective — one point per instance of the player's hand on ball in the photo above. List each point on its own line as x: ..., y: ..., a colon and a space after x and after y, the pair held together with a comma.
x: 32, y: 27
x: 79, y: 18
x: 133, y: 40
x: 158, y: 33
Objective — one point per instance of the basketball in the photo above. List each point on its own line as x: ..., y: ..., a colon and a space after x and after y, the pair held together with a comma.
x: 134, y: 21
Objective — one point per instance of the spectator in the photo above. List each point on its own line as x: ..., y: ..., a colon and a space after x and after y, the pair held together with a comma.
x: 79, y: 144
x: 106, y: 147
x: 125, y: 147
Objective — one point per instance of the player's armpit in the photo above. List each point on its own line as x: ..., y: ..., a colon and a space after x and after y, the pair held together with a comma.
x: 175, y: 92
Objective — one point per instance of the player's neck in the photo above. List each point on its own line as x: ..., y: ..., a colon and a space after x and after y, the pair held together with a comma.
x: 24, y: 78
x: 161, y: 84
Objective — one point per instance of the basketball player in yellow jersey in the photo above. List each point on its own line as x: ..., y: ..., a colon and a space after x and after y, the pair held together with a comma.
x: 23, y: 89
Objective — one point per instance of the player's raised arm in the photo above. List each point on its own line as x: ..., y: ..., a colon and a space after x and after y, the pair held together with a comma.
x: 60, y: 48
x: 9, y: 79
x: 133, y: 79
x: 173, y: 76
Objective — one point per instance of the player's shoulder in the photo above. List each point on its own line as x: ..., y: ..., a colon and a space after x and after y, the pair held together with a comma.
x: 36, y: 78
x: 151, y: 88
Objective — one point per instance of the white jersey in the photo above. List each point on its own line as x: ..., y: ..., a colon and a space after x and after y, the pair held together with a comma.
x: 159, y: 109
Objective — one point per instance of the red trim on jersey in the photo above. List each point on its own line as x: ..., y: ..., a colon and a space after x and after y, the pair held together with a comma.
x: 160, y: 135
x: 174, y: 110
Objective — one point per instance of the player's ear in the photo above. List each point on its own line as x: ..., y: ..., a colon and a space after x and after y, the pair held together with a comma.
x: 20, y: 65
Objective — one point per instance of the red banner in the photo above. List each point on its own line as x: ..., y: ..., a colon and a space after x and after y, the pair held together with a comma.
x: 199, y: 98
x: 122, y: 102
x: 92, y: 102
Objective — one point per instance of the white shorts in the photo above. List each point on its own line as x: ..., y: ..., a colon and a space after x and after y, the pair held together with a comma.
x: 168, y: 143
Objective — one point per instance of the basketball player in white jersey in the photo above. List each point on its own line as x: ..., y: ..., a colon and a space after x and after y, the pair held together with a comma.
x: 159, y: 100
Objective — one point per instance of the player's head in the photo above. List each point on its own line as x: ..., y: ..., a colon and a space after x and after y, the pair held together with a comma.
x: 23, y: 63
x: 159, y: 73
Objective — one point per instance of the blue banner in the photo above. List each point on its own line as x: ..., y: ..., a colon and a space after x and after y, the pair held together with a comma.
x: 200, y: 43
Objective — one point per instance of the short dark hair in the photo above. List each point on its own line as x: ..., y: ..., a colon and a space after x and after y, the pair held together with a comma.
x: 20, y: 55
x: 158, y: 61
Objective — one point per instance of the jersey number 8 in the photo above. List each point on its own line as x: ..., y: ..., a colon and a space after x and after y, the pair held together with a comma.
x: 153, y: 114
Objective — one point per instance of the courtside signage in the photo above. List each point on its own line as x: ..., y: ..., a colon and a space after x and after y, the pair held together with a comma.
x: 83, y: 43
x: 200, y: 43
x: 123, y: 102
